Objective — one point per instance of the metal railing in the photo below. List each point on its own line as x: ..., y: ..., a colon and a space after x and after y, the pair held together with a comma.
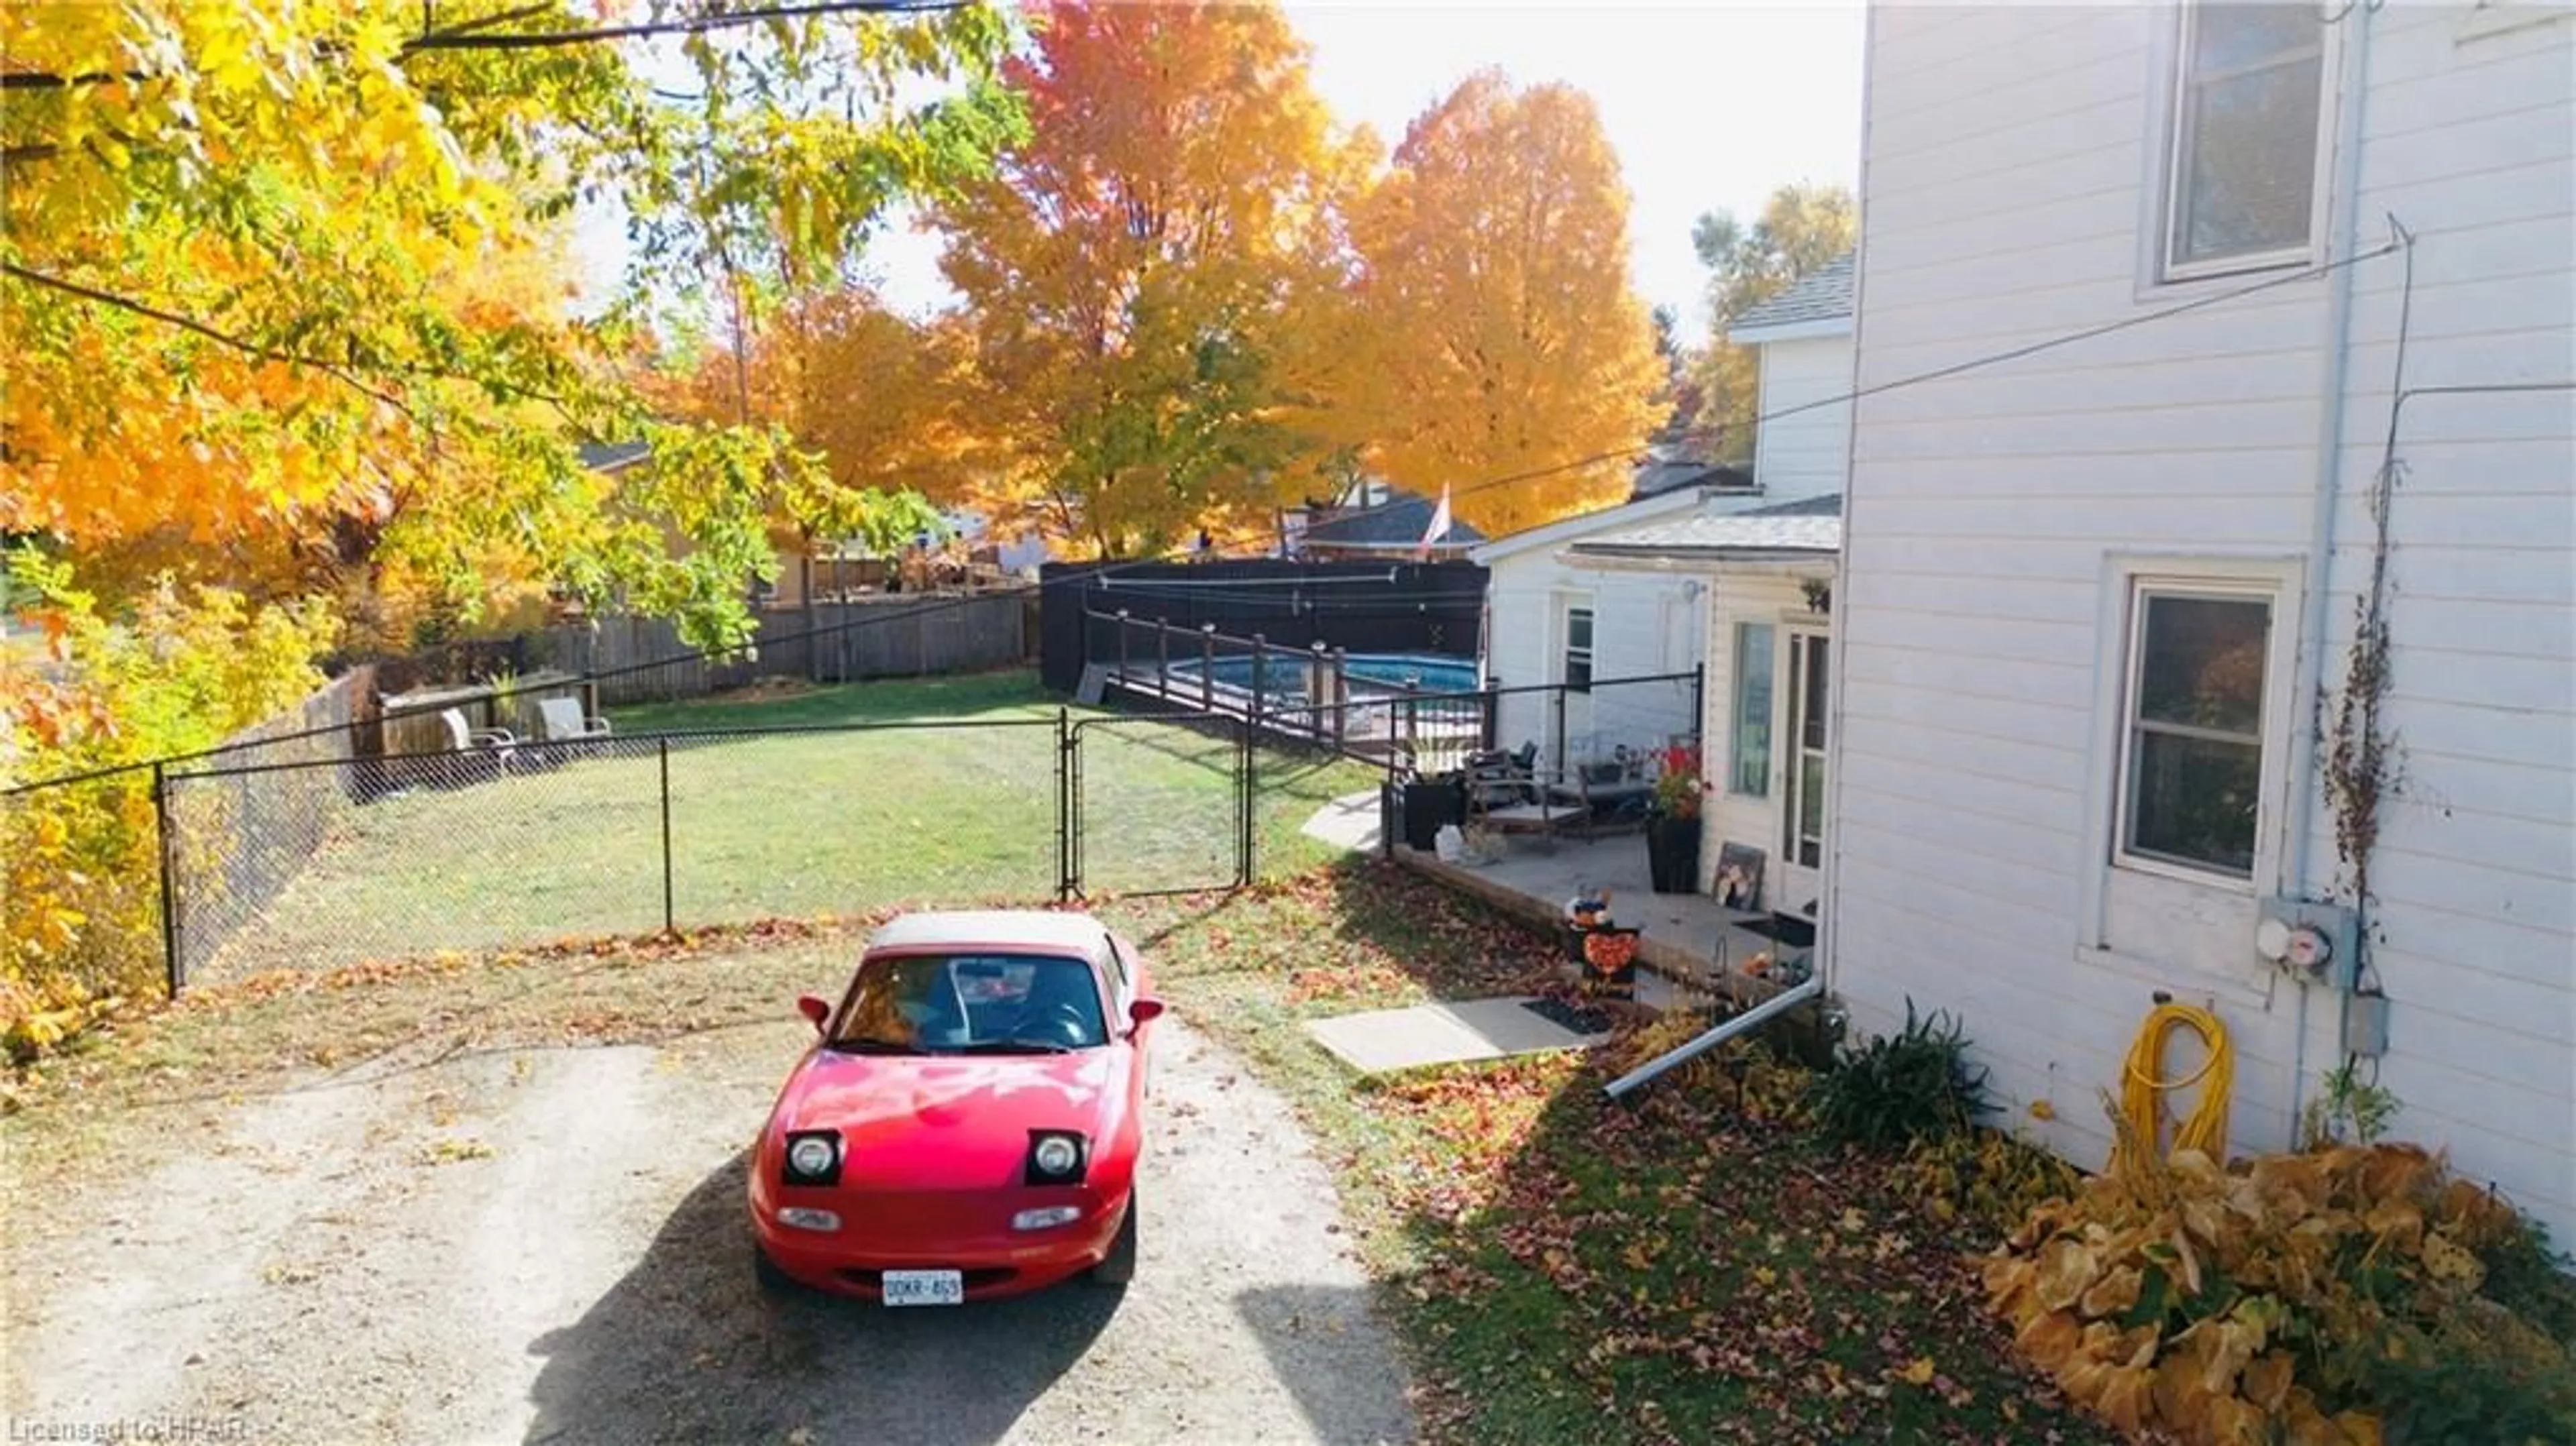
x: 1315, y: 696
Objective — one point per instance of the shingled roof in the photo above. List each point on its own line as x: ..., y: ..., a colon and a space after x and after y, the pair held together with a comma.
x: 1824, y: 294
x: 1399, y: 521
x: 1810, y: 524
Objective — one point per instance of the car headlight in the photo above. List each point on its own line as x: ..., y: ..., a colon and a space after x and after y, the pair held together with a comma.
x: 1055, y: 1157
x: 1047, y: 1219
x: 813, y: 1158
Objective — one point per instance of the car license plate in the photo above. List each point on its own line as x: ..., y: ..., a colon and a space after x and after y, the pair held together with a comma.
x: 924, y: 1287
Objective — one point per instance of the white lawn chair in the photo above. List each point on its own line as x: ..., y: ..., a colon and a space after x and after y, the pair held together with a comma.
x: 561, y: 719
x: 495, y: 744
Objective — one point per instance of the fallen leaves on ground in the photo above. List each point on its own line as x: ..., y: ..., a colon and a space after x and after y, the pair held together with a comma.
x: 1568, y: 1269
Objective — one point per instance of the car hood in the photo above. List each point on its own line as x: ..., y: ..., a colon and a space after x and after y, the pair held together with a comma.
x: 912, y: 1120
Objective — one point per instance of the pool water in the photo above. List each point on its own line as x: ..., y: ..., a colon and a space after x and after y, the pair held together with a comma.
x: 1391, y: 672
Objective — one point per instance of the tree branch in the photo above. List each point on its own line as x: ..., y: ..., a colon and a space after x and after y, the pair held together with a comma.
x: 41, y: 80
x: 477, y: 35
x: 196, y: 327
x: 467, y: 37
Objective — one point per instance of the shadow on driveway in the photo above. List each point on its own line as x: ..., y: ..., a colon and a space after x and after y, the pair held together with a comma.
x: 1347, y: 1400
x: 687, y: 1347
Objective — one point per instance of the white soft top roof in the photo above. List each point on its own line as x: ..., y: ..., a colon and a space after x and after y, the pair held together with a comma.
x: 1037, y: 929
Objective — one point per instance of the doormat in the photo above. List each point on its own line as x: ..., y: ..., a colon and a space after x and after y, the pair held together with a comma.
x: 1795, y: 932
x: 1580, y: 1019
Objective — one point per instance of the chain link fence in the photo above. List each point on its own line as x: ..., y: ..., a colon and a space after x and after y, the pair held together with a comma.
x: 316, y: 863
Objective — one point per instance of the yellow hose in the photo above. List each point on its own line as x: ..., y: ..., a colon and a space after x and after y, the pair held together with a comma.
x: 2143, y: 1087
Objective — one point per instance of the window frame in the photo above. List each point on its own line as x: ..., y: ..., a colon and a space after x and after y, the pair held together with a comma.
x: 1566, y: 650
x: 1738, y: 676
x: 2269, y: 738
x: 2170, y: 156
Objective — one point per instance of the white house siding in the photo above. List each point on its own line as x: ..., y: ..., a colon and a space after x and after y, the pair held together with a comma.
x: 1803, y: 454
x: 1748, y: 594
x: 1642, y: 626
x: 1978, y: 621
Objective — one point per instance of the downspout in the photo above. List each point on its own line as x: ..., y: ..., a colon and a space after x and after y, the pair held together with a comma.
x: 2336, y: 384
x: 1811, y: 988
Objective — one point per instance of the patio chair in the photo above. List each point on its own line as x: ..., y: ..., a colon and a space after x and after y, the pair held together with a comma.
x: 1510, y: 793
x: 562, y: 718
x: 480, y: 751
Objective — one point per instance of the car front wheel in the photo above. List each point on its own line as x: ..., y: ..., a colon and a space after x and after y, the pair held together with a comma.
x: 1119, y: 1266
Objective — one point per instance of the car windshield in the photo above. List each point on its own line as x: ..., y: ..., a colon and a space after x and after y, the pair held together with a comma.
x: 983, y: 1003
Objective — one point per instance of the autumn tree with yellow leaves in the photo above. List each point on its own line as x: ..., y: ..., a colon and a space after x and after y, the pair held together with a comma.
x: 1494, y: 332
x: 285, y: 339
x: 255, y: 262
x: 1139, y: 275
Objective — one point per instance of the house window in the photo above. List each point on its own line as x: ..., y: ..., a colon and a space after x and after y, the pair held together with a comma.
x: 2247, y: 99
x: 1749, y: 736
x: 1577, y: 672
x: 2192, y: 765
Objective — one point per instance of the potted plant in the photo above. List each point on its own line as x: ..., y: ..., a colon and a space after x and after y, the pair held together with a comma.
x: 1672, y: 822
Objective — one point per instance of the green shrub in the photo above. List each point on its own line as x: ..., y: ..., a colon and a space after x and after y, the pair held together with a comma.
x: 1913, y: 1085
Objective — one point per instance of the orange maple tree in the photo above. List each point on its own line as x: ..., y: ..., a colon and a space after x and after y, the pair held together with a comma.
x: 1496, y: 331
x: 1138, y: 273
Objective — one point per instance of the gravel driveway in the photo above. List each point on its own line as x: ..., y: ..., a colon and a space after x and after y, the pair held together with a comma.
x: 548, y: 1245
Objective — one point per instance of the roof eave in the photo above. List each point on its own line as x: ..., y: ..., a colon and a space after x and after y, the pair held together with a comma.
x: 1699, y: 559
x: 1791, y: 330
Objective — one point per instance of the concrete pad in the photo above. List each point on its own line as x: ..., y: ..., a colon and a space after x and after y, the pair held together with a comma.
x: 1444, y: 1033
x: 1350, y: 822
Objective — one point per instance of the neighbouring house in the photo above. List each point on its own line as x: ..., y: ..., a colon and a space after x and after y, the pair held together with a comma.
x: 1553, y: 622
x: 1373, y: 521
x: 2098, y: 610
x: 1758, y: 570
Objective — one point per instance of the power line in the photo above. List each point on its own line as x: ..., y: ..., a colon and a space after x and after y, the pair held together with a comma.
x: 1990, y: 359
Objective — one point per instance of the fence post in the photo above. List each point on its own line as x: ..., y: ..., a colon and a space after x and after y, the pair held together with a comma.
x: 1245, y: 861
x: 1319, y: 686
x: 1491, y: 727
x: 1064, y: 821
x: 1207, y: 667
x: 171, y: 963
x: 670, y: 922
x: 1699, y: 700
x: 1392, y: 738
x: 1341, y: 697
x: 1163, y: 658
x: 1260, y: 676
x: 1557, y: 764
x: 1122, y: 646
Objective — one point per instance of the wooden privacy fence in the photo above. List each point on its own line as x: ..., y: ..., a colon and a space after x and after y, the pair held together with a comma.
x: 898, y: 635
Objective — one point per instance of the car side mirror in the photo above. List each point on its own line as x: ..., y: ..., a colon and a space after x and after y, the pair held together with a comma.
x: 813, y: 1009
x: 1144, y: 1012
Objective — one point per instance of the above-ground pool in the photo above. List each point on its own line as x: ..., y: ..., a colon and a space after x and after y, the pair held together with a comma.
x: 1371, y: 674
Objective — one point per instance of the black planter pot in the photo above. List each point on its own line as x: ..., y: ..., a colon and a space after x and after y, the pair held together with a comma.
x: 1672, y: 854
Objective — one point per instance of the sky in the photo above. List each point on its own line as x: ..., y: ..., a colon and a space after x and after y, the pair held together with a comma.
x: 1707, y: 104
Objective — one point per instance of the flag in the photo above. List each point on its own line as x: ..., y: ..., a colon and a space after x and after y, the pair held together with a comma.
x: 1439, y: 527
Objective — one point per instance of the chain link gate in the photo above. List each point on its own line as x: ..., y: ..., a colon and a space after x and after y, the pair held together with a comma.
x: 1139, y: 816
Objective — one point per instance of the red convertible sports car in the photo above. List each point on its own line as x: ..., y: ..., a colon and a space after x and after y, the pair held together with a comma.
x: 968, y: 1121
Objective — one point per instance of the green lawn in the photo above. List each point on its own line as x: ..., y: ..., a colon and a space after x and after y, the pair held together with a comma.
x: 948, y: 798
